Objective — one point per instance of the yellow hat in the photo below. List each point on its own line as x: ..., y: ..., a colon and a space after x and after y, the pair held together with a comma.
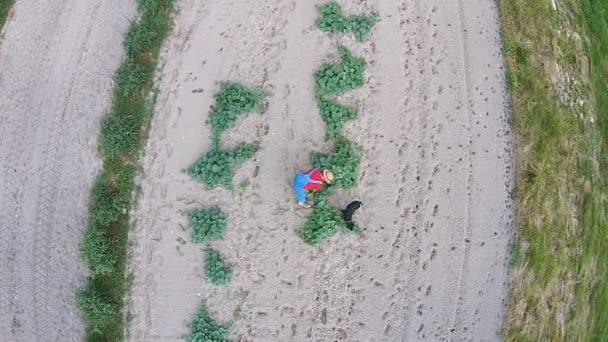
x: 328, y: 175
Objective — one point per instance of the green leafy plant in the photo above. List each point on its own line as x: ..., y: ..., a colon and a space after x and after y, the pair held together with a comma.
x: 336, y: 78
x: 98, y: 250
x: 344, y: 162
x: 335, y: 115
x: 207, y: 224
x: 216, y: 167
x: 321, y: 224
x: 218, y: 271
x: 334, y: 21
x: 231, y: 101
x: 98, y: 312
x: 205, y: 329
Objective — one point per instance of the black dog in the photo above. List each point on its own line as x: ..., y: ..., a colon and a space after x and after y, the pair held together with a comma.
x: 347, y: 213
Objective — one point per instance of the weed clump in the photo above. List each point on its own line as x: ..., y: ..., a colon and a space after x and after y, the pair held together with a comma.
x: 98, y: 249
x: 205, y: 329
x: 98, y: 313
x: 337, y: 78
x: 216, y: 167
x: 217, y: 269
x: 332, y: 20
x: 335, y: 115
x: 231, y: 101
x: 344, y: 162
x: 207, y: 224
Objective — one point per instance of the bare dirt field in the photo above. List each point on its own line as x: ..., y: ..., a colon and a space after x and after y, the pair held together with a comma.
x: 436, y: 179
x: 57, y: 59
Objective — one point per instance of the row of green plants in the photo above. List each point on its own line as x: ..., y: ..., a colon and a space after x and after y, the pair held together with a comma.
x: 209, y: 225
x: 216, y: 168
x: 333, y: 79
x: 104, y: 247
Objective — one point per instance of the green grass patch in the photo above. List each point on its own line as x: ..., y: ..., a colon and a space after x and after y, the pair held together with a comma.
x: 104, y: 247
x: 207, y: 224
x: 216, y: 167
x: 102, y: 313
x: 337, y: 78
x: 205, y: 329
x: 5, y: 7
x: 333, y: 20
x: 559, y: 289
x: 218, y: 271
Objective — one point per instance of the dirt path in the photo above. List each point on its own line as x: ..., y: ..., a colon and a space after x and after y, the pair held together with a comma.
x: 436, y: 178
x: 57, y: 59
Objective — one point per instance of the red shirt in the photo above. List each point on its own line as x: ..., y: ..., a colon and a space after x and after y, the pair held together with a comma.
x: 316, y: 175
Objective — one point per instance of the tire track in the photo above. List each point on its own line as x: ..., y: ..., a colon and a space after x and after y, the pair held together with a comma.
x: 45, y: 236
x: 422, y: 110
x: 462, y: 29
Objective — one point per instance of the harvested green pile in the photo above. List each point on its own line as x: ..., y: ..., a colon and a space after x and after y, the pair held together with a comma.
x: 332, y: 20
x: 207, y: 224
x: 205, y: 329
x: 337, y: 78
x: 123, y: 133
x: 217, y: 269
x: 216, y: 167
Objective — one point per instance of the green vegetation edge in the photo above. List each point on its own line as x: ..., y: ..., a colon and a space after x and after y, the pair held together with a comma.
x: 5, y: 8
x: 556, y: 55
x: 123, y: 134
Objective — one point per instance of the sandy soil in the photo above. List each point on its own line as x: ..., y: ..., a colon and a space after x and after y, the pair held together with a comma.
x: 432, y: 263
x: 57, y: 59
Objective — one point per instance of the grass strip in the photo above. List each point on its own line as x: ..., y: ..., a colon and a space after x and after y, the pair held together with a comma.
x: 556, y: 54
x: 123, y: 132
x: 5, y: 7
